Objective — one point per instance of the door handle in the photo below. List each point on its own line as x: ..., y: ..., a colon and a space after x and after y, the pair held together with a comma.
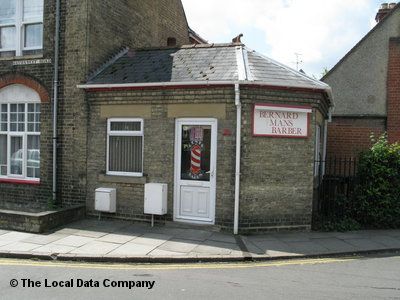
x: 211, y: 173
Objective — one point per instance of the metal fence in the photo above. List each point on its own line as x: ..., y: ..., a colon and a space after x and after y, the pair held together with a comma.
x: 336, y: 184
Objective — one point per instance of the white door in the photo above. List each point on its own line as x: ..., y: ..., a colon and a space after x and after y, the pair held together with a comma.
x: 195, y: 170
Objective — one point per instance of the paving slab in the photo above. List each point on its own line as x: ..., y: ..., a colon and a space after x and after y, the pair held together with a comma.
x: 91, y: 233
x: 365, y: 244
x: 152, y: 239
x: 74, y: 241
x: 216, y: 248
x: 293, y: 237
x: 251, y: 247
x: 164, y: 253
x: 3, y: 231
x: 274, y: 247
x: 96, y: 248
x: 335, y: 245
x: 45, y: 239
x: 2, y: 243
x: 177, y: 245
x: 195, y: 235
x: 132, y: 249
x: 387, y: 241
x: 222, y: 237
x: 14, y: 236
x: 117, y: 238
x: 168, y: 231
x: 19, y: 246
x: 307, y: 247
x: 53, y: 248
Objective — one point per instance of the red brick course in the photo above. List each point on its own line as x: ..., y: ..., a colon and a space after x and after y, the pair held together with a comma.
x: 17, y: 78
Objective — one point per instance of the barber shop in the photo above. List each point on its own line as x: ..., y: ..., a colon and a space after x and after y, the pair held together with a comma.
x: 205, y: 134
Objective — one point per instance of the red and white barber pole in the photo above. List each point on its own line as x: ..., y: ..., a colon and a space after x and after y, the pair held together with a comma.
x: 196, y: 140
x: 195, y: 161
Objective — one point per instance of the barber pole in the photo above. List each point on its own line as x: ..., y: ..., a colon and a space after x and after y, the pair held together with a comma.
x: 196, y: 142
x: 195, y: 159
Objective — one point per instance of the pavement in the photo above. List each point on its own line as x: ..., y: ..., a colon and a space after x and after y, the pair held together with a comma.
x: 110, y: 240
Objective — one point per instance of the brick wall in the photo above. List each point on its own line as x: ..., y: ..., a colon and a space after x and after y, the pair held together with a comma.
x: 277, y: 173
x: 91, y: 31
x: 39, y: 77
x: 393, y: 91
x: 159, y: 139
x: 347, y: 136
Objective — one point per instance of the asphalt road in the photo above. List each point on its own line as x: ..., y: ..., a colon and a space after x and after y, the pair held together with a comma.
x: 374, y: 277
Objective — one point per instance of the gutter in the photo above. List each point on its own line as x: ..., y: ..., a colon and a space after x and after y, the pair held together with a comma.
x: 55, y: 96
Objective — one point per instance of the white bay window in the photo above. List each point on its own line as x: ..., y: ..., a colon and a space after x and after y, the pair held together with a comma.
x: 21, y: 27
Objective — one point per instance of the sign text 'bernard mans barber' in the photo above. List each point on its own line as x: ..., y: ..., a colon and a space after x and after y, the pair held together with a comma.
x: 280, y: 120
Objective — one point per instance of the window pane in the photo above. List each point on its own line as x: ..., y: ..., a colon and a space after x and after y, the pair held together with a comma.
x: 33, y: 36
x: 33, y: 10
x: 7, y: 11
x: 3, y: 155
x: 125, y: 154
x: 7, y: 37
x: 125, y: 126
x: 16, y: 155
x: 3, y: 117
x: 33, y: 117
x: 17, y: 117
x: 196, y: 152
x: 33, y: 156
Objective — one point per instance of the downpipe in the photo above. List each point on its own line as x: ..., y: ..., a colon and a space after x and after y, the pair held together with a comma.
x: 238, y: 157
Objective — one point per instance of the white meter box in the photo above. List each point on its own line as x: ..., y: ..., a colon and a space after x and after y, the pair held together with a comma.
x: 105, y: 200
x: 155, y: 198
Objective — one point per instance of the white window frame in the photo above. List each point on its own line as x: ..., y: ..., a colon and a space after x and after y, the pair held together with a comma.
x: 124, y: 133
x: 24, y: 135
x: 20, y: 26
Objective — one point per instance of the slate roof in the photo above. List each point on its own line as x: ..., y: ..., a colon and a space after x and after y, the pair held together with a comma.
x: 200, y: 63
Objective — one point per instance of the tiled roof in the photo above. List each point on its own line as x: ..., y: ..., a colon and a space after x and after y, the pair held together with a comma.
x: 200, y: 63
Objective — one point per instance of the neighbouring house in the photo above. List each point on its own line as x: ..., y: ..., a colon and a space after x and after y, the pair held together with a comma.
x: 232, y: 133
x: 47, y: 47
x: 365, y: 83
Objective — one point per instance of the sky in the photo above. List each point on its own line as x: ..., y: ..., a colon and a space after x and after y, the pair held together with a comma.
x: 303, y: 34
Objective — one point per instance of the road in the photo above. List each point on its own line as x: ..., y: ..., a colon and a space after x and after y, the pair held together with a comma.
x: 373, y: 277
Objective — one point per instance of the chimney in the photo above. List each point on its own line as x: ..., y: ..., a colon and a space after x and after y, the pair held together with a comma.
x: 384, y: 10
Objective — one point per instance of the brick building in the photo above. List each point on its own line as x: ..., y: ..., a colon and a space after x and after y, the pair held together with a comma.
x: 46, y: 49
x: 365, y: 83
x: 233, y: 134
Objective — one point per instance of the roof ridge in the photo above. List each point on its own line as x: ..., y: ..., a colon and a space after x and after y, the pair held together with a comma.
x: 289, y: 69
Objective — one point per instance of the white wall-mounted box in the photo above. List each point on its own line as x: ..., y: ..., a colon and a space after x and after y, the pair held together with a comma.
x: 155, y: 198
x: 105, y: 200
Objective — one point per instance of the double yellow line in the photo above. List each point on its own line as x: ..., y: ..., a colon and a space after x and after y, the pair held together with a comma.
x: 12, y: 262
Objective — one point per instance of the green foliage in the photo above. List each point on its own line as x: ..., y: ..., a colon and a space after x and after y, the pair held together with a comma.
x: 52, y: 203
x: 345, y: 224
x: 375, y: 201
x: 377, y: 194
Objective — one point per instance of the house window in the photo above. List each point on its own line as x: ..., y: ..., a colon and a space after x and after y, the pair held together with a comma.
x: 125, y: 147
x: 19, y: 133
x: 21, y: 27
